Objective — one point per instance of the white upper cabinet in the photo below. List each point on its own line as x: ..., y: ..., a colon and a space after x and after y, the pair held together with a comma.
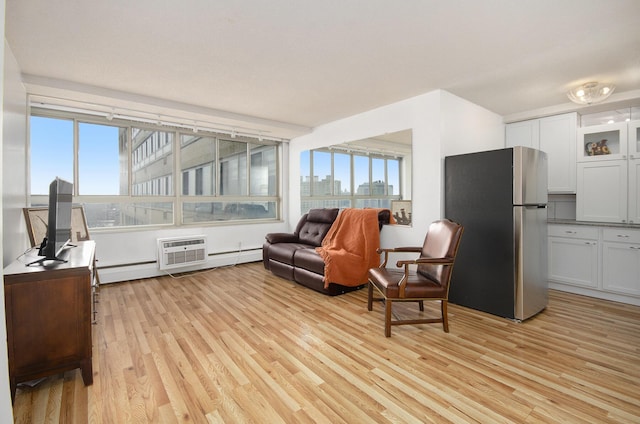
x: 602, y: 142
x: 634, y: 172
x: 525, y: 133
x: 609, y: 173
x: 556, y: 136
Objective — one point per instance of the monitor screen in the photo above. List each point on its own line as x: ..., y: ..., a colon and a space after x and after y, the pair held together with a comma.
x: 59, y: 223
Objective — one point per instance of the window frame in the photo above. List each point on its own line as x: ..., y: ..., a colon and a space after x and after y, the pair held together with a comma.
x: 353, y: 198
x: 177, y: 199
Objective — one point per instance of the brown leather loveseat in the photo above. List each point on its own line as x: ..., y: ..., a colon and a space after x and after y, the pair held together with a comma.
x: 293, y: 255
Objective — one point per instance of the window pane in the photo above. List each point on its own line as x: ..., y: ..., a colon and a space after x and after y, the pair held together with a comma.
x: 102, y: 160
x: 361, y: 175
x: 393, y: 176
x: 305, y: 173
x: 263, y: 170
x: 233, y: 167
x: 51, y: 152
x: 373, y: 203
x: 152, y: 162
x: 307, y: 204
x: 342, y: 174
x: 105, y: 215
x: 377, y: 177
x: 226, y: 211
x: 197, y: 163
x: 321, y: 174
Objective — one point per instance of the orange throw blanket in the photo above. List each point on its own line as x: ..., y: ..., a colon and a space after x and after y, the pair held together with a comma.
x: 349, y: 248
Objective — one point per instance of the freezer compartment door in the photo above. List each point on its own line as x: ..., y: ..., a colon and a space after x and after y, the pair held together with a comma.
x: 529, y: 176
x: 531, y: 280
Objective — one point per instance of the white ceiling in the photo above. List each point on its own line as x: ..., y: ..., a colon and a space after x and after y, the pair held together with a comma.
x: 309, y: 62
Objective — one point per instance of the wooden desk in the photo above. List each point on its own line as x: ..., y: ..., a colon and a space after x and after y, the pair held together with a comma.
x: 48, y: 313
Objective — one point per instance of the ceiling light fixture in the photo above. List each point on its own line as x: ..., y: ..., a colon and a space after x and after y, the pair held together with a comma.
x: 590, y: 92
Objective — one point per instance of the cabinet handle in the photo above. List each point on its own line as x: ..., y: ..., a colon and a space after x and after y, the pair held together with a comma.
x: 571, y: 232
x: 622, y: 236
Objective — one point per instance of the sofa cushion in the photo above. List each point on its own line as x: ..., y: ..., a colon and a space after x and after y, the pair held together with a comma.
x: 309, y: 259
x: 316, y: 225
x: 327, y: 215
x: 312, y: 233
x: 283, y: 252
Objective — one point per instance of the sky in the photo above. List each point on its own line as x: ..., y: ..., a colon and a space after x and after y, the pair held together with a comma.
x: 52, y: 156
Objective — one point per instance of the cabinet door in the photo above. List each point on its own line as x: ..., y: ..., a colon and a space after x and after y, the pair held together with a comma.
x: 602, y: 191
x: 573, y: 261
x: 558, y: 140
x: 621, y: 267
x: 591, y: 142
x: 634, y: 140
x: 525, y: 133
x: 634, y: 187
x: 51, y: 323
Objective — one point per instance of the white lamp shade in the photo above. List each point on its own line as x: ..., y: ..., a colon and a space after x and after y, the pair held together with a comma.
x: 590, y: 92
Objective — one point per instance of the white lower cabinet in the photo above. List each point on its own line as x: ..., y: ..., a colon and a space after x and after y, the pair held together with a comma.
x: 573, y: 255
x: 621, y: 261
x: 595, y: 261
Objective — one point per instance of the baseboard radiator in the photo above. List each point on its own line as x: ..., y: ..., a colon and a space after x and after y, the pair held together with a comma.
x: 179, y: 252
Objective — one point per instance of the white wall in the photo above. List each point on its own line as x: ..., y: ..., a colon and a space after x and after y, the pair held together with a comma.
x: 10, y: 73
x: 442, y: 124
x: 14, y: 162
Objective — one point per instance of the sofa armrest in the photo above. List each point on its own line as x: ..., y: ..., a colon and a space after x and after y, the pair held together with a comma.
x: 282, y: 238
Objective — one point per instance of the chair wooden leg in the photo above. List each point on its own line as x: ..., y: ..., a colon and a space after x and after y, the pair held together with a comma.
x: 387, y: 318
x: 370, y: 298
x: 445, y: 320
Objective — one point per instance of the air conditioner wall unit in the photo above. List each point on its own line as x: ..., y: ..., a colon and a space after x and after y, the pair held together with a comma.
x: 179, y: 252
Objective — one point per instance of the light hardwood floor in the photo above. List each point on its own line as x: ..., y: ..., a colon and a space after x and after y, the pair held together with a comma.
x: 239, y: 345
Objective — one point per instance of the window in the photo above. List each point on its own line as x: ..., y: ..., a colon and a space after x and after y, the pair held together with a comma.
x: 197, y: 162
x: 152, y: 162
x: 336, y: 179
x: 128, y: 174
x: 233, y: 167
x: 102, y: 159
x: 51, y: 152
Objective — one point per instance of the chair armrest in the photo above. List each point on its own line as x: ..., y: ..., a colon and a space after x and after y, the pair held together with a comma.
x: 386, y: 252
x: 400, y: 249
x: 405, y: 263
x: 282, y: 238
x: 434, y: 261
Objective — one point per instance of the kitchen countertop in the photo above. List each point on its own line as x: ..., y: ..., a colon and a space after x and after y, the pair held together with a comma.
x: 592, y: 224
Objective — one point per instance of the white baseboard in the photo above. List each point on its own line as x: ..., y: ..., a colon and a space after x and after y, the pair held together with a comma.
x: 632, y: 300
x: 116, y: 274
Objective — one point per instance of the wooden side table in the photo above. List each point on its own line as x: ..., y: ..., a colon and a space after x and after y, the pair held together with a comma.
x: 48, y: 315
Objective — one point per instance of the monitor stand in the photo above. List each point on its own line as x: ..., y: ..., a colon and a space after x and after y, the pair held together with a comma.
x: 41, y: 261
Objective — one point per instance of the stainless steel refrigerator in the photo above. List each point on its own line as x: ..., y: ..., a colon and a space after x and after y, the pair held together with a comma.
x: 500, y: 197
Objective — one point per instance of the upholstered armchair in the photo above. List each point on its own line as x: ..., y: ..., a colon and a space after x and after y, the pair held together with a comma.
x: 425, y: 278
